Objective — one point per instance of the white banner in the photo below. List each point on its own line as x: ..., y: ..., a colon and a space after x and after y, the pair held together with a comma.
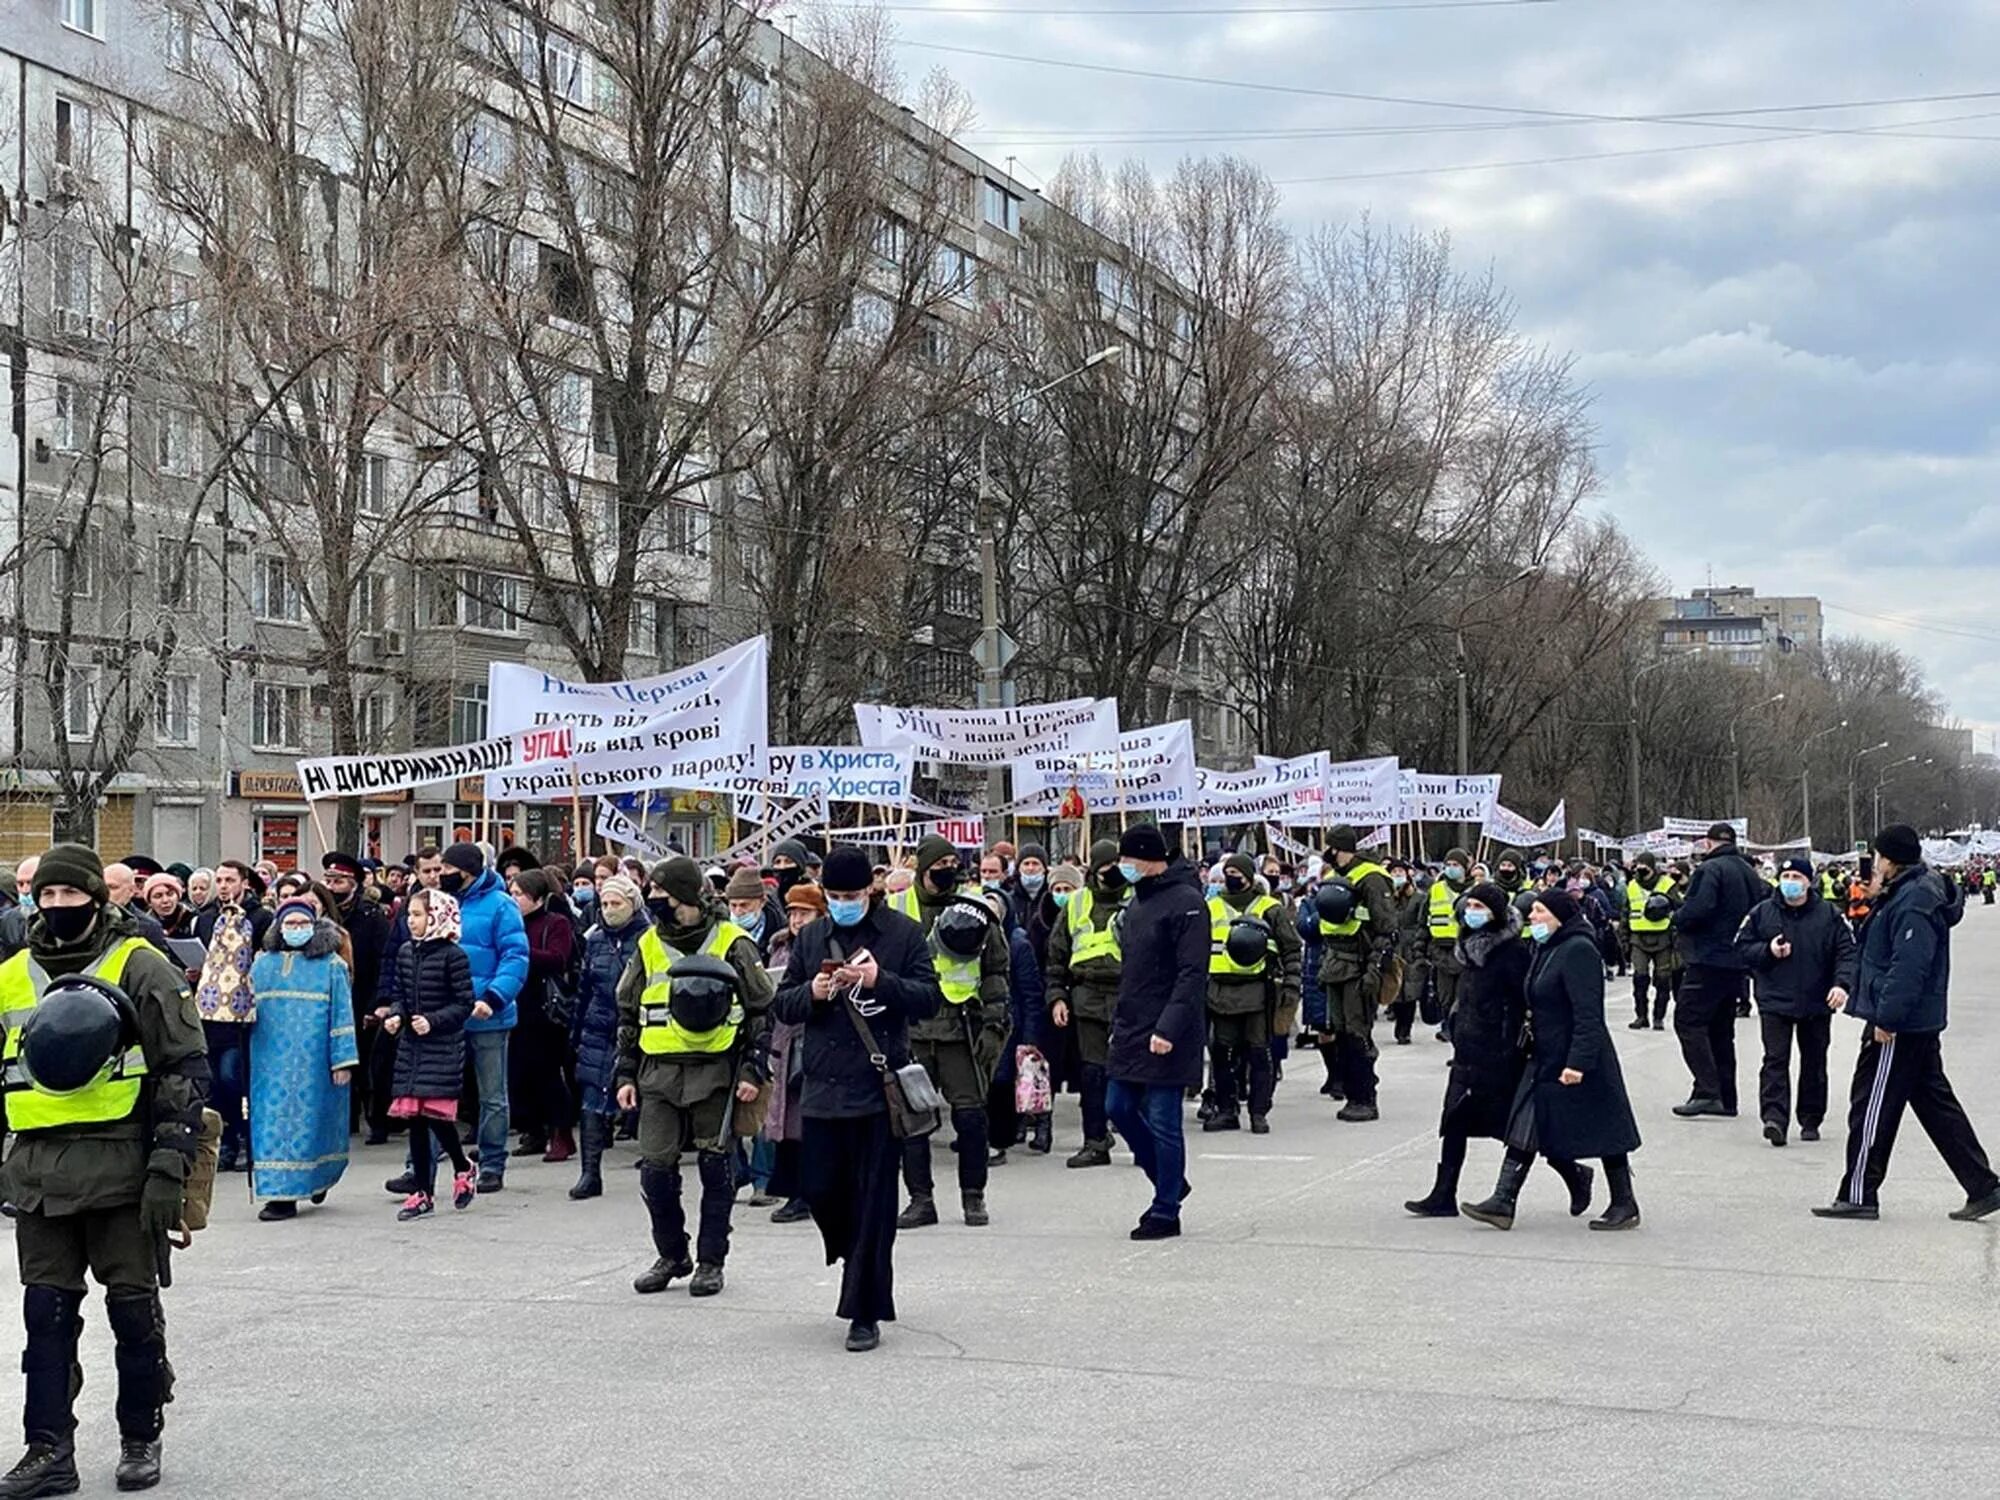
x: 1506, y: 827
x: 699, y: 728
x: 357, y: 775
x: 1379, y: 839
x: 1152, y: 771
x: 993, y: 736
x: 809, y: 813
x: 615, y: 826
x: 961, y: 833
x: 1697, y: 828
x: 841, y: 773
x: 1364, y: 792
x: 1284, y: 843
x: 1285, y: 791
x: 1602, y: 840
x: 1446, y: 799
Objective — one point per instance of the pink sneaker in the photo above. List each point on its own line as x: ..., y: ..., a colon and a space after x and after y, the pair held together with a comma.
x: 462, y: 1190
x: 416, y: 1206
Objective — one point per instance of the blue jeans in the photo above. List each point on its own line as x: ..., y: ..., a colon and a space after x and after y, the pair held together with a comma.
x: 488, y: 1051
x: 1148, y: 1115
x: 229, y: 1072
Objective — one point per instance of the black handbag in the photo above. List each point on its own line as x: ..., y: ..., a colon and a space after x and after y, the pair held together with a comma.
x: 916, y: 1108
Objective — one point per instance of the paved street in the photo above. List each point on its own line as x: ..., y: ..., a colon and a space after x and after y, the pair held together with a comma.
x: 1305, y: 1338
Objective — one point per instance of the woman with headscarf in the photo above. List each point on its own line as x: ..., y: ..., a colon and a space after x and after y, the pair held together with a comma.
x: 608, y: 951
x: 1571, y: 1102
x: 201, y: 889
x: 302, y: 1056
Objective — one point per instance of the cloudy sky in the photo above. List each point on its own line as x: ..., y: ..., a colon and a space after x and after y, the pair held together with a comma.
x: 1794, y: 341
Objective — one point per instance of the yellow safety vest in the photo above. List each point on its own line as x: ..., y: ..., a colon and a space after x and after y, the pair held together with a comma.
x: 957, y: 977
x: 1088, y: 942
x: 1356, y: 918
x: 112, y: 1095
x: 1635, y: 902
x: 1825, y: 886
x: 659, y: 1033
x: 1220, y: 915
x: 1444, y: 911
x: 905, y: 901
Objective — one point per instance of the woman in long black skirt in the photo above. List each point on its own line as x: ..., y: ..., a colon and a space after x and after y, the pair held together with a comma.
x: 1571, y: 1102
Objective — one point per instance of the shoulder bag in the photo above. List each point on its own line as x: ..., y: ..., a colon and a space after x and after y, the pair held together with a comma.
x: 916, y: 1108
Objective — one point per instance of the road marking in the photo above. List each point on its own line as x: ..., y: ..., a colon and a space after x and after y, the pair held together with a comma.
x: 1246, y: 1156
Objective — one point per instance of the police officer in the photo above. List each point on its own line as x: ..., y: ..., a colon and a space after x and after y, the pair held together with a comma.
x: 1356, y: 949
x: 1408, y: 974
x: 1510, y: 873
x: 1253, y: 973
x: 959, y: 1046
x: 690, y: 1045
x: 96, y: 1170
x: 1081, y: 973
x: 1650, y: 899
x: 1441, y: 929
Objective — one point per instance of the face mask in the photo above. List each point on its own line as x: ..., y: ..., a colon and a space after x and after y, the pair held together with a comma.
x: 1539, y: 931
x: 1112, y: 879
x: 583, y: 895
x: 451, y: 882
x: 942, y: 878
x: 661, y: 909
x: 989, y: 885
x: 26, y: 900
x: 68, y: 923
x: 846, y: 911
x: 1399, y: 881
x: 1128, y: 872
x: 1061, y: 899
x: 752, y: 925
x: 1033, y: 882
x: 1792, y: 890
x: 615, y: 913
x: 296, y: 937
x: 789, y: 878
x: 1510, y: 876
x: 1213, y: 890
x: 1285, y: 887
x: 1235, y: 884
x: 1454, y: 872
x: 1477, y: 917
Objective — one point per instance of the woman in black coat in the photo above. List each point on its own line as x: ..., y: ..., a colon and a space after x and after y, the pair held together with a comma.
x: 1571, y: 1102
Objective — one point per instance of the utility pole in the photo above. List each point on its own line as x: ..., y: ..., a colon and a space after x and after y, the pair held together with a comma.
x: 1464, y: 736
x: 991, y: 685
x: 1805, y: 777
x: 1853, y: 761
x: 1736, y: 757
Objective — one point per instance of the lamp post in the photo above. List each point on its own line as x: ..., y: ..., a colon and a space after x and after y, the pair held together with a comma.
x: 1736, y: 758
x: 1464, y: 709
x: 1805, y: 778
x: 1854, y: 761
x: 1632, y: 723
x: 1883, y: 780
x: 992, y: 663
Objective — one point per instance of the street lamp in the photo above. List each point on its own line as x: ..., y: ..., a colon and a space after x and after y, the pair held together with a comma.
x: 1805, y: 779
x: 993, y: 666
x: 1736, y: 758
x: 1632, y: 722
x: 1464, y: 710
x: 1853, y: 761
x: 1883, y: 780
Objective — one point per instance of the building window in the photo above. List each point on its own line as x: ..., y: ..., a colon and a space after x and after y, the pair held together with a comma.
x: 690, y: 638
x: 174, y: 566
x: 374, y: 485
x: 642, y: 630
x: 684, y: 529
x: 277, y: 717
x: 271, y: 464
x: 492, y: 602
x: 275, y: 596
x: 371, y: 603
x: 76, y: 565
x: 180, y: 41
x: 1001, y: 208
x: 958, y: 593
x: 563, y: 286
x: 72, y: 284
x: 174, y: 441
x: 556, y: 61
x: 84, y: 16
x: 73, y: 133
x: 371, y: 721
x: 173, y: 710
x: 468, y: 713
x: 72, y: 421
x: 80, y: 701
x: 437, y: 599
x: 954, y: 271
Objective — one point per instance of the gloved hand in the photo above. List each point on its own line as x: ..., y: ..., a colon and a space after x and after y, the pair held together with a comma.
x: 159, y: 1206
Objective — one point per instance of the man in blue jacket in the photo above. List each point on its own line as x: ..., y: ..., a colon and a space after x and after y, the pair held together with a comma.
x: 1720, y: 894
x: 496, y: 948
x: 1899, y: 995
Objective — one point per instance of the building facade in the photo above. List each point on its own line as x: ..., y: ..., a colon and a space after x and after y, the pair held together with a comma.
x: 1747, y: 627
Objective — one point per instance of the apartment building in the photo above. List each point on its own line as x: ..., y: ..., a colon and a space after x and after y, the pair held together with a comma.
x: 1739, y: 622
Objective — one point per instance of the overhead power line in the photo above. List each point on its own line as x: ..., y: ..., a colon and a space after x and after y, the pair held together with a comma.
x: 1188, y: 10
x: 1911, y: 622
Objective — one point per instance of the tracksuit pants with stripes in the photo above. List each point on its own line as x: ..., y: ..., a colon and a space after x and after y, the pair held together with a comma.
x: 1907, y: 1070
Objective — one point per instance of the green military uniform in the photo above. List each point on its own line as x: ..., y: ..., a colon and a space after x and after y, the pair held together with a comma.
x: 96, y: 1177
x: 959, y: 1046
x: 1081, y: 971
x: 686, y: 1081
x: 1355, y: 954
x: 1654, y: 960
x: 1441, y: 927
x: 1404, y: 979
x: 1243, y: 999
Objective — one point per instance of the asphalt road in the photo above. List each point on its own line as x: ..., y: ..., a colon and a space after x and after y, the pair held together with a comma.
x: 1304, y: 1338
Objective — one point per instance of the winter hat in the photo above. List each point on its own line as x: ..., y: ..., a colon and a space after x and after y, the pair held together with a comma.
x: 170, y: 881
x: 1798, y: 864
x: 143, y: 865
x: 1066, y: 875
x: 847, y: 869
x: 584, y: 870
x: 466, y: 859
x: 1144, y: 841
x: 1512, y: 857
x: 935, y: 846
x: 1004, y: 849
x: 1243, y: 864
x: 1561, y: 905
x: 1898, y: 843
x: 444, y: 919
x: 295, y: 904
x: 181, y: 871
x: 1459, y: 857
x: 74, y: 864
x: 793, y: 850
x: 681, y: 878
x: 1103, y: 852
x: 1490, y: 896
x: 806, y: 896
x: 621, y: 885
x: 1033, y: 851
x: 1723, y: 833
x: 1343, y: 840
x: 744, y: 886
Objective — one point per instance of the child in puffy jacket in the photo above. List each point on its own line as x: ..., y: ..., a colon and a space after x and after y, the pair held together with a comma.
x: 433, y: 1002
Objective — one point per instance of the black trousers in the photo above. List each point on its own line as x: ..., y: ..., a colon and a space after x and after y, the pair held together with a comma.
x: 1907, y: 1070
x: 1240, y: 1052
x: 1774, y: 1081
x: 1705, y: 1021
x: 537, y: 1085
x: 848, y: 1169
x: 53, y: 1253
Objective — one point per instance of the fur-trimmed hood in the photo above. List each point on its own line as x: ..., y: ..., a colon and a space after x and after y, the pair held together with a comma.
x: 326, y: 939
x: 1475, y: 948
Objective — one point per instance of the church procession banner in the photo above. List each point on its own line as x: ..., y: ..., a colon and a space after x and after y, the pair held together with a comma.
x: 619, y: 829
x: 1447, y: 799
x: 993, y: 736
x: 1278, y: 791
x: 809, y: 813
x: 358, y: 775
x: 1153, y: 771
x: 1505, y: 827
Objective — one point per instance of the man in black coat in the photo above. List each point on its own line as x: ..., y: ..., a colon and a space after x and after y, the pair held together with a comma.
x: 1158, y: 1027
x: 1720, y: 893
x: 368, y: 930
x: 868, y: 963
x: 1801, y: 951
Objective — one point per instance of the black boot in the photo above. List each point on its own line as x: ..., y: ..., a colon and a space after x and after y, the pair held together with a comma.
x: 144, y: 1385
x: 1639, y: 1003
x: 1498, y: 1210
x: 590, y: 1151
x: 47, y: 1468
x: 1039, y: 1139
x: 138, y: 1464
x: 1442, y: 1202
x: 1624, y: 1210
x: 1093, y: 1154
x: 1579, y: 1179
x: 718, y: 1197
x: 660, y: 1188
x: 1331, y: 1059
x: 52, y: 1380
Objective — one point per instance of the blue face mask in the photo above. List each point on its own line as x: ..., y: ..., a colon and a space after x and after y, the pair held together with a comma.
x: 1129, y: 870
x: 1454, y: 872
x: 26, y: 901
x: 1032, y: 882
x: 295, y: 937
x: 847, y: 912
x: 1477, y: 917
x: 583, y: 895
x: 1214, y: 889
x: 1792, y: 890
x: 752, y: 925
x: 1540, y: 931
x: 1061, y: 899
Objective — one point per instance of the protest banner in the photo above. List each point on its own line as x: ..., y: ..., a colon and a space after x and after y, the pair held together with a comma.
x: 1506, y: 827
x: 1697, y: 828
x: 357, y: 775
x: 1279, y: 791
x: 1364, y: 792
x: 993, y: 736
x: 1446, y: 799
x: 840, y: 773
x: 703, y: 727
x: 967, y: 831
x: 1151, y: 771
x: 615, y: 826
x: 804, y: 816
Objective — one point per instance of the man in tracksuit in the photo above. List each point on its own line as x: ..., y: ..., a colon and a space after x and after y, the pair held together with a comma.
x: 1800, y: 950
x: 1899, y: 996
x: 1720, y: 893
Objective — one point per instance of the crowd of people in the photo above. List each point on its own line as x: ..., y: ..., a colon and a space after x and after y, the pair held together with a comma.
x: 803, y: 1025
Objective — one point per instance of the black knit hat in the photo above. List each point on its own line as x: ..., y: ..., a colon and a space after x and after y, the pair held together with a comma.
x: 1343, y: 840
x: 1798, y: 864
x: 1561, y: 905
x: 1032, y: 851
x: 1457, y: 856
x: 1490, y: 896
x: 1898, y: 843
x: 932, y: 848
x: 847, y: 870
x: 1725, y: 833
x: 1242, y: 864
x: 467, y: 859
x: 1144, y: 841
x: 681, y: 878
x: 74, y: 865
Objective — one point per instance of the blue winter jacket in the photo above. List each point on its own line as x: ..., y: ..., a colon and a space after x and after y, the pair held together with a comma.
x: 607, y: 953
x: 1905, y: 966
x: 495, y: 941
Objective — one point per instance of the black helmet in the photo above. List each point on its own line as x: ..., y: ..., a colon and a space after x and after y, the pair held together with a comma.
x: 78, y: 1026
x: 1334, y: 901
x: 1248, y: 942
x: 960, y: 929
x: 1658, y: 908
x: 702, y: 991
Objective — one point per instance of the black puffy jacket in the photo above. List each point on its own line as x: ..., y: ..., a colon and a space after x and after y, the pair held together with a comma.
x: 433, y: 980
x: 1163, y: 987
x: 1822, y: 954
x: 1719, y: 896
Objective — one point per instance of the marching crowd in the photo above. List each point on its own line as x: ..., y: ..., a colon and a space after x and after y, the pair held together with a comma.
x: 805, y: 1024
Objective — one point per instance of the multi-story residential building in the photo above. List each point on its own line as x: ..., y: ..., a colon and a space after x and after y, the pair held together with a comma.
x: 1749, y: 628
